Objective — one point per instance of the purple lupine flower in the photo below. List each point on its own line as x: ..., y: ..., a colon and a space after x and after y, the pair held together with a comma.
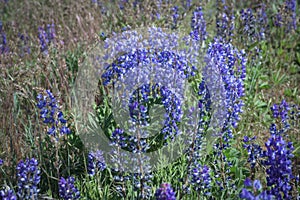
x: 96, y: 162
x: 198, y: 25
x: 175, y: 16
x: 284, y: 107
x: 43, y: 38
x: 137, y: 109
x: 245, y: 194
x: 52, y: 115
x: 198, y: 175
x: 7, y: 194
x: 281, y: 112
x: 201, y: 179
x: 290, y: 7
x: 232, y: 66
x: 67, y: 189
x: 253, y: 191
x: 254, y: 150
x: 248, y: 23
x: 140, y: 97
x: 28, y: 175
x: 279, y: 166
x: 1, y: 162
x: 46, y: 37
x: 262, y: 21
x: 165, y: 192
x: 51, y: 32
x: 224, y: 21
x: 248, y: 182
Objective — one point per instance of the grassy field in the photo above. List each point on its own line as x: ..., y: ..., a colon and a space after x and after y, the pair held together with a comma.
x: 142, y: 99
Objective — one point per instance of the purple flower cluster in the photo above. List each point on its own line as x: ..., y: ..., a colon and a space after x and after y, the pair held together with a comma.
x: 28, y: 175
x: 262, y: 21
x: 255, y: 24
x: 167, y: 59
x: 198, y: 25
x: 257, y: 188
x: 175, y: 16
x: 201, y: 179
x: 277, y: 158
x: 255, y: 152
x: 7, y: 194
x: 232, y: 65
x: 3, y: 40
x: 279, y: 166
x: 142, y: 173
x: 1, y: 162
x: 198, y: 175
x: 224, y: 21
x: 67, y: 189
x: 287, y: 17
x: 138, y: 107
x: 278, y: 21
x: 290, y: 7
x: 96, y: 162
x: 248, y: 23
x: 165, y: 192
x: 281, y: 111
x: 46, y: 37
x: 51, y: 114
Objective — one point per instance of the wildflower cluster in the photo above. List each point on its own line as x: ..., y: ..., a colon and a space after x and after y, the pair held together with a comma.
x: 198, y: 175
x: 28, y: 175
x: 198, y: 25
x: 257, y: 193
x: 255, y: 152
x: 286, y: 17
x: 254, y: 24
x: 201, y: 179
x: 7, y: 194
x: 142, y: 172
x: 67, y: 189
x: 281, y: 112
x: 138, y: 108
x: 225, y: 21
x: 262, y: 22
x: 290, y: 8
x: 277, y: 158
x: 96, y: 162
x: 231, y: 64
x: 248, y: 23
x: 165, y: 192
x: 175, y: 16
x: 46, y: 37
x: 279, y: 166
x: 52, y: 115
x: 165, y: 59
